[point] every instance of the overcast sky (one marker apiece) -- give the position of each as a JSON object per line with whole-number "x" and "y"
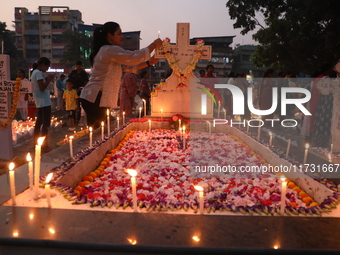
{"x": 206, "y": 17}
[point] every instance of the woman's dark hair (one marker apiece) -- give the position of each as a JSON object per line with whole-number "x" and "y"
{"x": 100, "y": 38}
{"x": 268, "y": 72}
{"x": 43, "y": 61}
{"x": 142, "y": 74}
{"x": 22, "y": 71}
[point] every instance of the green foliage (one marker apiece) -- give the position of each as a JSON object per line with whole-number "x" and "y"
{"x": 16, "y": 61}
{"x": 78, "y": 48}
{"x": 295, "y": 34}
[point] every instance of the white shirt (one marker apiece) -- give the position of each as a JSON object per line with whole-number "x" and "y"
{"x": 107, "y": 71}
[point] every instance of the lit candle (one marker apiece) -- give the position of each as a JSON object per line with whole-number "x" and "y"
{"x": 331, "y": 151}
{"x": 306, "y": 153}
{"x": 179, "y": 124}
{"x": 161, "y": 114}
{"x": 180, "y": 133}
{"x": 90, "y": 128}
{"x": 48, "y": 190}
{"x": 149, "y": 125}
{"x": 270, "y": 139}
{"x": 123, "y": 118}
{"x": 37, "y": 166}
{"x": 117, "y": 122}
{"x": 283, "y": 196}
{"x": 71, "y": 146}
{"x": 288, "y": 147}
{"x": 140, "y": 112}
{"x": 11, "y": 182}
{"x": 201, "y": 195}
{"x": 183, "y": 137}
{"x": 330, "y": 157}
{"x": 102, "y": 130}
{"x": 133, "y": 174}
{"x": 209, "y": 125}
{"x": 258, "y": 133}
{"x": 108, "y": 121}
{"x": 30, "y": 170}
{"x": 144, "y": 106}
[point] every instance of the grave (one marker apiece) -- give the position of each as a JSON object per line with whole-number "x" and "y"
{"x": 6, "y": 88}
{"x": 182, "y": 93}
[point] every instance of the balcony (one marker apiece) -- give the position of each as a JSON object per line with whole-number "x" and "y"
{"x": 31, "y": 32}
{"x": 32, "y": 46}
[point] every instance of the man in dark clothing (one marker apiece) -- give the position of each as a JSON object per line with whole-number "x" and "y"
{"x": 80, "y": 78}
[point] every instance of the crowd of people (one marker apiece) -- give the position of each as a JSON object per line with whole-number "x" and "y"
{"x": 82, "y": 95}
{"x": 91, "y": 96}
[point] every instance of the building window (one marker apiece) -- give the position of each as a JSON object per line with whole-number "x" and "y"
{"x": 57, "y": 53}
{"x": 59, "y": 25}
{"x": 245, "y": 57}
{"x": 57, "y": 39}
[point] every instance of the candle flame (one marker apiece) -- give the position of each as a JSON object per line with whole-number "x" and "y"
{"x": 123, "y": 113}
{"x": 11, "y": 166}
{"x": 276, "y": 247}
{"x": 107, "y": 112}
{"x": 131, "y": 241}
{"x": 31, "y": 216}
{"x": 51, "y": 230}
{"x": 283, "y": 178}
{"x": 198, "y": 188}
{"x": 144, "y": 100}
{"x": 196, "y": 238}
{"x": 307, "y": 145}
{"x": 90, "y": 128}
{"x": 28, "y": 157}
{"x": 49, "y": 177}
{"x": 71, "y": 137}
{"x": 270, "y": 133}
{"x": 149, "y": 121}
{"x": 132, "y": 172}
{"x": 15, "y": 234}
{"x": 102, "y": 123}
{"x": 41, "y": 140}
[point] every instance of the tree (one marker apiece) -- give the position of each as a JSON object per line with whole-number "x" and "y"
{"x": 16, "y": 61}
{"x": 78, "y": 48}
{"x": 296, "y": 35}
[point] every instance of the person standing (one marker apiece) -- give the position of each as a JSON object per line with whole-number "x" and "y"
{"x": 107, "y": 58}
{"x": 70, "y": 101}
{"x": 145, "y": 90}
{"x": 42, "y": 99}
{"x": 23, "y": 98}
{"x": 61, "y": 88}
{"x": 128, "y": 91}
{"x": 80, "y": 78}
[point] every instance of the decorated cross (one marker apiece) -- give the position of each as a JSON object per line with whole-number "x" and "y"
{"x": 182, "y": 56}
{"x": 7, "y": 110}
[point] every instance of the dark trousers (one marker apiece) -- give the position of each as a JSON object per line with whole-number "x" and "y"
{"x": 94, "y": 113}
{"x": 42, "y": 124}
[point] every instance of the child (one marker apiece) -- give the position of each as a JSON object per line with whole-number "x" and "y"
{"x": 70, "y": 101}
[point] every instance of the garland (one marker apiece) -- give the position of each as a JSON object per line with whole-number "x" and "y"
{"x": 14, "y": 103}
{"x": 182, "y": 74}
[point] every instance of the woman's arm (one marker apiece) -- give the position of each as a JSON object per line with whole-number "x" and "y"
{"x": 42, "y": 85}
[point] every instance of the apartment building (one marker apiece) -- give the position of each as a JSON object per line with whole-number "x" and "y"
{"x": 39, "y": 34}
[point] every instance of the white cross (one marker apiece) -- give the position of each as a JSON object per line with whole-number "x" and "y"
{"x": 182, "y": 50}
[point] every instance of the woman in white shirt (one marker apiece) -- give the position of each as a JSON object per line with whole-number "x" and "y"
{"x": 107, "y": 58}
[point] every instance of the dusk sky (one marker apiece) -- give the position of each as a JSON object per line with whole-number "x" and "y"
{"x": 206, "y": 18}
